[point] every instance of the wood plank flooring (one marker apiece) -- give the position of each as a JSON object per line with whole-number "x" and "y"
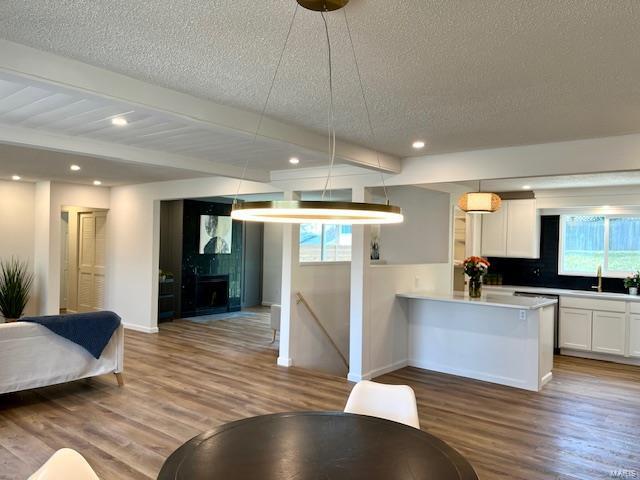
{"x": 191, "y": 377}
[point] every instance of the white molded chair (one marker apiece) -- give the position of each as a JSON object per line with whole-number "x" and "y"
{"x": 65, "y": 464}
{"x": 392, "y": 402}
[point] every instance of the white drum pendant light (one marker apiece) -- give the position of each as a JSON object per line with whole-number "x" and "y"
{"x": 479, "y": 202}
{"x": 320, "y": 211}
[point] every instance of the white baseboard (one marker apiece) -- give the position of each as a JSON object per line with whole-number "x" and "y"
{"x": 285, "y": 362}
{"x": 140, "y": 328}
{"x": 607, "y": 357}
{"x": 352, "y": 377}
{"x": 546, "y": 379}
{"x": 268, "y": 304}
{"x": 376, "y": 372}
{"x": 475, "y": 374}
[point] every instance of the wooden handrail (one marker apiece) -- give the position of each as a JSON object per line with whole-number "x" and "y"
{"x": 301, "y": 299}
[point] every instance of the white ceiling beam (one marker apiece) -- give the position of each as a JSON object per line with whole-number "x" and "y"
{"x": 54, "y": 69}
{"x": 596, "y": 155}
{"x": 114, "y": 151}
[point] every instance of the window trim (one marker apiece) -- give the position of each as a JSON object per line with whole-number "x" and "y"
{"x": 605, "y": 272}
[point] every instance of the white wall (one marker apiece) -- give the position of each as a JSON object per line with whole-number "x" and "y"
{"x": 17, "y": 226}
{"x": 326, "y": 287}
{"x": 272, "y": 264}
{"x": 386, "y": 347}
{"x": 423, "y": 237}
{"x": 134, "y": 233}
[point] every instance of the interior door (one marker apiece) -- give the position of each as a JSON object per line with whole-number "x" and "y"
{"x": 91, "y": 260}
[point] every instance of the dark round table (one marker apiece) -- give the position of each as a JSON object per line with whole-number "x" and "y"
{"x": 315, "y": 445}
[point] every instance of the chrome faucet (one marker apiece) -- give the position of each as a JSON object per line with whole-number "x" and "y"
{"x": 599, "y": 274}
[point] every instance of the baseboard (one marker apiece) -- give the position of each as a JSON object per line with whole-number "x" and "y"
{"x": 607, "y": 357}
{"x": 140, "y": 328}
{"x": 285, "y": 362}
{"x": 352, "y": 377}
{"x": 388, "y": 368}
{"x": 546, "y": 379}
{"x": 268, "y": 304}
{"x": 475, "y": 374}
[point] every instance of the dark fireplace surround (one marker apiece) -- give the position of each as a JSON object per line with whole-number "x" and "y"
{"x": 212, "y": 294}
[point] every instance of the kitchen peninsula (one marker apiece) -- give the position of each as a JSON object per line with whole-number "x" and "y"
{"x": 497, "y": 338}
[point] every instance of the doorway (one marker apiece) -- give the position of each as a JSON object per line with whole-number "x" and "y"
{"x": 83, "y": 259}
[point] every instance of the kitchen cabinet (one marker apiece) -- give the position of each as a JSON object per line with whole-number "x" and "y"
{"x": 634, "y": 335}
{"x": 575, "y": 328}
{"x": 608, "y": 333}
{"x": 513, "y": 231}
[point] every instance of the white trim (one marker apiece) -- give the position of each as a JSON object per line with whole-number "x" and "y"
{"x": 546, "y": 379}
{"x": 607, "y": 357}
{"x": 284, "y": 362}
{"x": 475, "y": 374}
{"x": 386, "y": 369}
{"x": 328, "y": 262}
{"x": 140, "y": 328}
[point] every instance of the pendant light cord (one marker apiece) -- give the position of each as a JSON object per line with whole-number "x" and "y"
{"x": 332, "y": 130}
{"x": 366, "y": 104}
{"x": 266, "y": 102}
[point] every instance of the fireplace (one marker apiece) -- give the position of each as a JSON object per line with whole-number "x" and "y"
{"x": 212, "y": 294}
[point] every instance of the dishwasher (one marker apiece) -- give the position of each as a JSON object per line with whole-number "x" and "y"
{"x": 556, "y": 316}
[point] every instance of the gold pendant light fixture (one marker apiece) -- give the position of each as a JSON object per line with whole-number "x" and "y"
{"x": 323, "y": 211}
{"x": 479, "y": 202}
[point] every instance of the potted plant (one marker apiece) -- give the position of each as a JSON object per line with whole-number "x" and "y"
{"x": 15, "y": 288}
{"x": 475, "y": 268}
{"x": 632, "y": 282}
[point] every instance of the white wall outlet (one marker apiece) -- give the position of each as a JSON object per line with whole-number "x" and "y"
{"x": 523, "y": 315}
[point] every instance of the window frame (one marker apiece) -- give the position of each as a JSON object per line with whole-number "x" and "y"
{"x": 322, "y": 249}
{"x": 605, "y": 263}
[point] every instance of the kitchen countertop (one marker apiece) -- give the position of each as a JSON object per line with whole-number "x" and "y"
{"x": 561, "y": 292}
{"x": 496, "y": 299}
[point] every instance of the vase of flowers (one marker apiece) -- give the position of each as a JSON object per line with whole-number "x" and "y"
{"x": 475, "y": 268}
{"x": 632, "y": 282}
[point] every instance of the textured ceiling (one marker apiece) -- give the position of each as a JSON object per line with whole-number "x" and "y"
{"x": 459, "y": 74}
{"x": 34, "y": 164}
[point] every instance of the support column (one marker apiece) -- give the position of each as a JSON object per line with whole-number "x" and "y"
{"x": 360, "y": 260}
{"x": 290, "y": 251}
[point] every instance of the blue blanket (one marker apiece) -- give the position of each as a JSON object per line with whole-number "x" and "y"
{"x": 92, "y": 331}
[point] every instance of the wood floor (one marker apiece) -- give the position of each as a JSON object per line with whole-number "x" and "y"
{"x": 191, "y": 377}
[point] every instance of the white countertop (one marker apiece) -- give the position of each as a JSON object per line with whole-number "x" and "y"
{"x": 496, "y": 299}
{"x": 561, "y": 292}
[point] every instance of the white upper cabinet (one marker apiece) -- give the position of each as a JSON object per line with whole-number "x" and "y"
{"x": 494, "y": 233}
{"x": 513, "y": 231}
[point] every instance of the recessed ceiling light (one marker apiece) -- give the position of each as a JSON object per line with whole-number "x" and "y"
{"x": 294, "y": 160}
{"x": 97, "y": 182}
{"x": 418, "y": 144}
{"x": 526, "y": 187}
{"x": 16, "y": 177}
{"x": 75, "y": 168}
{"x": 119, "y": 121}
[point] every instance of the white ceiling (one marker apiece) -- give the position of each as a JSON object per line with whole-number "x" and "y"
{"x": 461, "y": 75}
{"x": 34, "y": 164}
{"x": 42, "y": 106}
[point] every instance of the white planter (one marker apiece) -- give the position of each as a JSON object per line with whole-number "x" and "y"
{"x": 633, "y": 290}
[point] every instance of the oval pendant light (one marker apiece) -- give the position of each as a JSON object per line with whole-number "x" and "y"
{"x": 320, "y": 211}
{"x": 292, "y": 211}
{"x": 479, "y": 202}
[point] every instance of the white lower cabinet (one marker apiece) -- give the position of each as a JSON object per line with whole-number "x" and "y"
{"x": 575, "y": 328}
{"x": 634, "y": 335}
{"x": 608, "y": 333}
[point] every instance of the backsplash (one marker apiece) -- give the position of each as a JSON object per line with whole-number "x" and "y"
{"x": 543, "y": 272}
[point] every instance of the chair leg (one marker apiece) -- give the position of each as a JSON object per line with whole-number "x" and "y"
{"x": 120, "y": 379}
{"x": 274, "y": 335}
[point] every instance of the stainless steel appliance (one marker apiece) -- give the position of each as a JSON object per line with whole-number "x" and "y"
{"x": 556, "y": 316}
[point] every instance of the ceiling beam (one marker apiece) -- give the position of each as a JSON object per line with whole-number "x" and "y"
{"x": 115, "y": 151}
{"x": 54, "y": 69}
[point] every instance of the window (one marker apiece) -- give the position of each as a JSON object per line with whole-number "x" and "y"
{"x": 325, "y": 243}
{"x": 587, "y": 242}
